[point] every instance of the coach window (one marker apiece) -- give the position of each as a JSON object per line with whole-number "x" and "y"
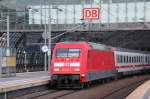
{"x": 130, "y": 59}
{"x": 143, "y": 59}
{"x": 139, "y": 59}
{"x": 124, "y": 59}
{"x": 74, "y": 53}
{"x": 121, "y": 58}
{"x": 118, "y": 59}
{"x": 127, "y": 59}
{"x": 134, "y": 59}
{"x": 146, "y": 59}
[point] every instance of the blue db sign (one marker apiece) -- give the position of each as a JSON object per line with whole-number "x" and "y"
{"x": 91, "y": 13}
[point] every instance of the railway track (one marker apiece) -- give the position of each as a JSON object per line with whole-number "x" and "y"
{"x": 51, "y": 94}
{"x": 127, "y": 88}
{"x": 45, "y": 93}
{"x": 62, "y": 94}
{"x": 118, "y": 89}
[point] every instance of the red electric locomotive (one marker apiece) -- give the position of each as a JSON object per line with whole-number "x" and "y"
{"x": 77, "y": 63}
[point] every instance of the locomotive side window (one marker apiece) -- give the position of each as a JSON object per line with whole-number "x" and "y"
{"x": 74, "y": 53}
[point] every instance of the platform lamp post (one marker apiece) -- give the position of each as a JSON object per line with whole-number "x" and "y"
{"x": 49, "y": 40}
{"x": 8, "y": 37}
{"x": 49, "y": 34}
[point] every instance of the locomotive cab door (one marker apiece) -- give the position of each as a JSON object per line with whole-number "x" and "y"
{"x": 89, "y": 66}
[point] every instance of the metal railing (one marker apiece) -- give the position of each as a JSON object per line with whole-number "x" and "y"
{"x": 86, "y": 27}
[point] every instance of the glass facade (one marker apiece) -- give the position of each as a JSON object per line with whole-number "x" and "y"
{"x": 72, "y": 14}
{"x": 31, "y": 14}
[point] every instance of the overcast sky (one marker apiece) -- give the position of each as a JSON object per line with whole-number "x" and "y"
{"x": 8, "y": 3}
{"x": 21, "y": 4}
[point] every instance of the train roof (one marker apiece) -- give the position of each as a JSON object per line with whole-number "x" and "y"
{"x": 106, "y": 47}
{"x": 103, "y": 47}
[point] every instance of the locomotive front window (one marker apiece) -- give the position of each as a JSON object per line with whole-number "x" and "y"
{"x": 61, "y": 52}
{"x": 74, "y": 53}
{"x": 64, "y": 52}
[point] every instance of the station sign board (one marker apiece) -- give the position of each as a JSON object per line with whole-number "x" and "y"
{"x": 91, "y": 13}
{"x": 45, "y": 48}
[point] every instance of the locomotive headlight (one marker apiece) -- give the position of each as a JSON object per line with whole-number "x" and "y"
{"x": 82, "y": 75}
{"x": 56, "y": 69}
{"x": 76, "y": 69}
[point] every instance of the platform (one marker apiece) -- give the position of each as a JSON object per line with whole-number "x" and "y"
{"x": 142, "y": 92}
{"x": 24, "y": 80}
